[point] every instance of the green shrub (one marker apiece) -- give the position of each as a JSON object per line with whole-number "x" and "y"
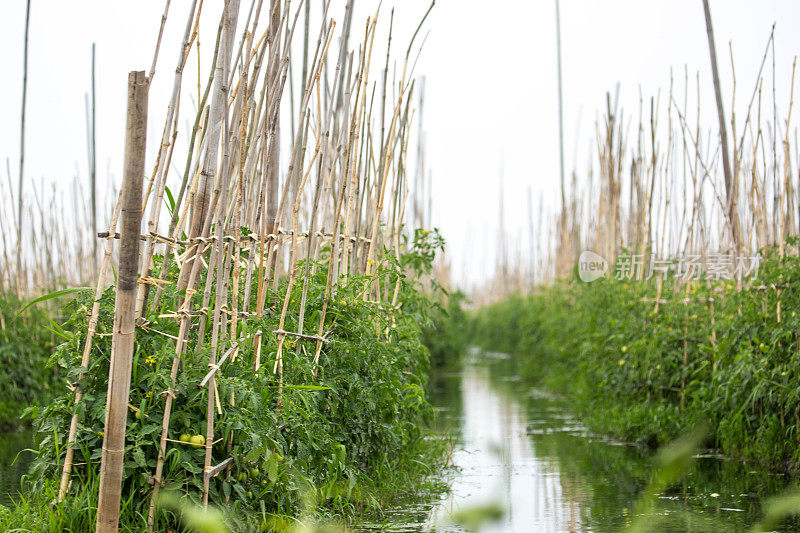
{"x": 716, "y": 354}
{"x": 25, "y": 346}
{"x": 446, "y": 337}
{"x": 337, "y": 439}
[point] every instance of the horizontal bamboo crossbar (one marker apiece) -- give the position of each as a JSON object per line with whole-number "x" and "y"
{"x": 323, "y": 338}
{"x": 212, "y": 471}
{"x": 216, "y": 367}
{"x": 252, "y": 238}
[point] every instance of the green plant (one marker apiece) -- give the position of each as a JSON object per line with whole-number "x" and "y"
{"x": 337, "y": 433}
{"x": 647, "y": 372}
{"x": 446, "y": 336}
{"x": 27, "y": 337}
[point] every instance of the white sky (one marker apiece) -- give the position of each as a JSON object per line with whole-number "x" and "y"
{"x": 491, "y": 97}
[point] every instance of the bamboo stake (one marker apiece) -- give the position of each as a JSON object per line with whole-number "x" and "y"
{"x": 273, "y": 155}
{"x": 119, "y": 380}
{"x": 22, "y": 145}
{"x": 93, "y": 167}
{"x": 730, "y": 185}
{"x": 87, "y": 348}
{"x": 206, "y": 209}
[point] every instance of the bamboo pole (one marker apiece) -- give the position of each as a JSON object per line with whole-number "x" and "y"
{"x": 730, "y": 185}
{"x": 180, "y": 207}
{"x": 273, "y": 155}
{"x": 159, "y": 176}
{"x": 22, "y": 146}
{"x": 201, "y": 223}
{"x": 93, "y": 165}
{"x": 560, "y": 106}
{"x": 119, "y": 377}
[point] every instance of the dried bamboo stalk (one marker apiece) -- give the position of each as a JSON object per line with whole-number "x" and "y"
{"x": 119, "y": 379}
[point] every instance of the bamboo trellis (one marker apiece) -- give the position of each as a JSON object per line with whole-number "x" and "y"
{"x": 233, "y": 179}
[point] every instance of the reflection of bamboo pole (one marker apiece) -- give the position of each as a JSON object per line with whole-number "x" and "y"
{"x": 119, "y": 376}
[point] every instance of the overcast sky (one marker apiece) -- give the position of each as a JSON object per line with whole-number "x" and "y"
{"x": 491, "y": 93}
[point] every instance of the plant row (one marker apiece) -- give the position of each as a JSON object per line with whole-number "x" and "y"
{"x": 646, "y": 363}
{"x": 341, "y": 436}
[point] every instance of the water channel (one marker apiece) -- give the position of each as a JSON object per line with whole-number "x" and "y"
{"x": 522, "y": 450}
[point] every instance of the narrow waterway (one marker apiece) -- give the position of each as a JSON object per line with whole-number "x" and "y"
{"x": 521, "y": 450}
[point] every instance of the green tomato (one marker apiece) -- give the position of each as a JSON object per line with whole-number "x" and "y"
{"x": 138, "y": 415}
{"x": 254, "y": 472}
{"x": 185, "y": 437}
{"x": 197, "y": 440}
{"x": 242, "y": 477}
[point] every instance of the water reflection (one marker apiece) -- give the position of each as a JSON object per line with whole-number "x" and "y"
{"x": 525, "y": 450}
{"x": 497, "y": 463}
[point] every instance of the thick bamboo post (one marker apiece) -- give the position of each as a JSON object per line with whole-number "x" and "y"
{"x": 730, "y": 185}
{"x": 119, "y": 374}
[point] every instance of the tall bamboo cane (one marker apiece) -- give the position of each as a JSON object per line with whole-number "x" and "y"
{"x": 119, "y": 376}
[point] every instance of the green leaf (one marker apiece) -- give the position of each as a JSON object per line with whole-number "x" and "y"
{"x": 306, "y": 387}
{"x": 190, "y": 466}
{"x": 57, "y": 329}
{"x": 76, "y": 371}
{"x": 152, "y": 428}
{"x": 171, "y": 200}
{"x": 138, "y": 456}
{"x": 272, "y": 468}
{"x": 50, "y": 296}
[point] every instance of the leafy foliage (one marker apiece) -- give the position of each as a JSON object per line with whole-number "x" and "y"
{"x": 446, "y": 337}
{"x": 333, "y": 438}
{"x": 708, "y": 353}
{"x": 27, "y": 338}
